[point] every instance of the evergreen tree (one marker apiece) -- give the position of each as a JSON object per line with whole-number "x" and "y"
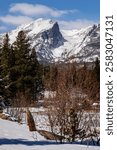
{"x": 1, "y": 80}
{"x": 26, "y": 67}
{"x": 36, "y": 74}
{"x": 7, "y": 61}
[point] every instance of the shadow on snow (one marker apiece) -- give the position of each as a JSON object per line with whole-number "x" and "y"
{"x": 5, "y": 141}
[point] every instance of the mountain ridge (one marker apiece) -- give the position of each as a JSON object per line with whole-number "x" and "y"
{"x": 55, "y": 45}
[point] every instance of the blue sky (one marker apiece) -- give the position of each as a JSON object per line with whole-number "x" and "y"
{"x": 70, "y": 14}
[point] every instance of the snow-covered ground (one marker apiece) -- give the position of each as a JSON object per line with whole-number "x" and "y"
{"x": 14, "y": 136}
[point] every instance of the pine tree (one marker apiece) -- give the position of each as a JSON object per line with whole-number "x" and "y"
{"x": 20, "y": 70}
{"x": 36, "y": 74}
{"x": 7, "y": 61}
{"x": 1, "y": 80}
{"x": 26, "y": 66}
{"x": 5, "y": 55}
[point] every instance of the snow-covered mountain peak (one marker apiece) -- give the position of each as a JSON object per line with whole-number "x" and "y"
{"x": 80, "y": 45}
{"x": 40, "y": 24}
{"x": 32, "y": 28}
{"x": 54, "y": 44}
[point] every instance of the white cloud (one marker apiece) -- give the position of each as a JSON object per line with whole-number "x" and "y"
{"x": 38, "y": 9}
{"x": 15, "y": 20}
{"x": 75, "y": 24}
{"x": 25, "y": 13}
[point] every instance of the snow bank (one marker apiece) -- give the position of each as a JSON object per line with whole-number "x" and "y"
{"x": 14, "y": 136}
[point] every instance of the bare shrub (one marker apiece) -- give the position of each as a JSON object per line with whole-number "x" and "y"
{"x": 21, "y": 100}
{"x": 64, "y": 110}
{"x": 17, "y": 110}
{"x": 74, "y": 97}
